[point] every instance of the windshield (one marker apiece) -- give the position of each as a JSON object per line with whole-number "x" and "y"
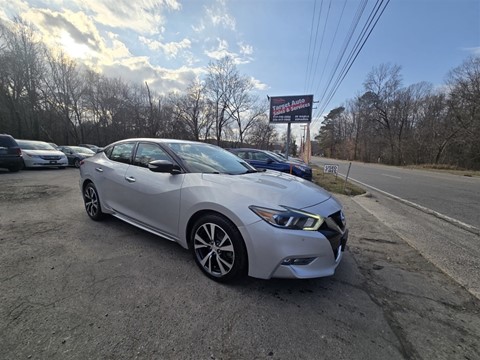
{"x": 205, "y": 158}
{"x": 276, "y": 156}
{"x": 34, "y": 145}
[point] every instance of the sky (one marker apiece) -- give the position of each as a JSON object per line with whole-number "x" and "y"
{"x": 286, "y": 47}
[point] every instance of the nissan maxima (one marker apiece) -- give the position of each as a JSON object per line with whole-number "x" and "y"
{"x": 234, "y": 219}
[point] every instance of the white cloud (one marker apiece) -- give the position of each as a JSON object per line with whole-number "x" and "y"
{"x": 144, "y": 16}
{"x": 160, "y": 79}
{"x": 199, "y": 28}
{"x": 222, "y": 50}
{"x": 170, "y": 49}
{"x": 12, "y": 8}
{"x": 258, "y": 85}
{"x": 67, "y": 29}
{"x": 219, "y": 16}
{"x": 474, "y": 50}
{"x": 245, "y": 49}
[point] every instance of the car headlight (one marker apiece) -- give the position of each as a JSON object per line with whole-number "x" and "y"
{"x": 289, "y": 218}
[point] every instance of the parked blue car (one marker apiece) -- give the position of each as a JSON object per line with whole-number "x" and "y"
{"x": 262, "y": 159}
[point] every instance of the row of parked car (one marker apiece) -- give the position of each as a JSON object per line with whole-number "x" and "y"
{"x": 16, "y": 154}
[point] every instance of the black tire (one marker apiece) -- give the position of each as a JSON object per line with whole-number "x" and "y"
{"x": 14, "y": 169}
{"x": 218, "y": 248}
{"x": 76, "y": 163}
{"x": 92, "y": 202}
{"x": 61, "y": 167}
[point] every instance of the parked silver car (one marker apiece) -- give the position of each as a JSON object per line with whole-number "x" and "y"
{"x": 234, "y": 219}
{"x": 41, "y": 154}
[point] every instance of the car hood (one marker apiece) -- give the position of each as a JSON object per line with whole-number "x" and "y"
{"x": 44, "y": 152}
{"x": 272, "y": 188}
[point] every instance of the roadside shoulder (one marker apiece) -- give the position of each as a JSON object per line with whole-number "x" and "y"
{"x": 414, "y": 294}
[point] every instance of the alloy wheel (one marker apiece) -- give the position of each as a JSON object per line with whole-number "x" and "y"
{"x": 92, "y": 204}
{"x": 214, "y": 249}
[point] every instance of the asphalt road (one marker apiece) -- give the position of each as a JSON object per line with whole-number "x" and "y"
{"x": 457, "y": 197}
{"x": 72, "y": 288}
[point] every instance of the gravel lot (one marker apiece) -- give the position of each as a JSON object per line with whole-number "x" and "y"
{"x": 71, "y": 288}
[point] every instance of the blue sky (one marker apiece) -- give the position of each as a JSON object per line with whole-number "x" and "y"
{"x": 170, "y": 42}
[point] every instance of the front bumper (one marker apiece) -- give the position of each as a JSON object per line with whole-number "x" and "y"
{"x": 270, "y": 249}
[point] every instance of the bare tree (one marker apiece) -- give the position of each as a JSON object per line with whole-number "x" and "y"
{"x": 192, "y": 110}
{"x": 20, "y": 77}
{"x": 464, "y": 109}
{"x": 262, "y": 134}
{"x": 383, "y": 84}
{"x": 222, "y": 78}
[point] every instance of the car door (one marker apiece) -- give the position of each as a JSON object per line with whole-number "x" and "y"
{"x": 110, "y": 179}
{"x": 153, "y": 198}
{"x": 69, "y": 153}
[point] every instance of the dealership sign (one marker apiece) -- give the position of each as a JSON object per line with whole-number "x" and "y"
{"x": 291, "y": 109}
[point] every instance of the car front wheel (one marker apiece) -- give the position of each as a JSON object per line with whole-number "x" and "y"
{"x": 92, "y": 202}
{"x": 218, "y": 248}
{"x": 76, "y": 163}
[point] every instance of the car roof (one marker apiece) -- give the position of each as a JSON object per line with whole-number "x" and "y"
{"x": 245, "y": 149}
{"x": 160, "y": 141}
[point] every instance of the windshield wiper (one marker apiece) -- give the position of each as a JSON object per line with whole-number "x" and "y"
{"x": 253, "y": 171}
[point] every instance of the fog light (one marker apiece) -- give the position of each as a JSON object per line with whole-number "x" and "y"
{"x": 297, "y": 261}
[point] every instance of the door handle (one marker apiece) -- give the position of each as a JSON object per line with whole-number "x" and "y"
{"x": 99, "y": 169}
{"x": 130, "y": 179}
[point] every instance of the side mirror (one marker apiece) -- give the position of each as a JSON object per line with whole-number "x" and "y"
{"x": 164, "y": 166}
{"x": 269, "y": 161}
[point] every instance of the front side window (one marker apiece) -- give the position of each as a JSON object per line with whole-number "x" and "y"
{"x": 122, "y": 153}
{"x": 205, "y": 158}
{"x": 149, "y": 152}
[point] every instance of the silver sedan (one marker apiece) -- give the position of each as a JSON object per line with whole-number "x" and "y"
{"x": 234, "y": 219}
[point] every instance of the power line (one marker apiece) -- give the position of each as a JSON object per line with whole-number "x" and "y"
{"x": 310, "y": 44}
{"x": 364, "y": 35}
{"x": 314, "y": 43}
{"x": 348, "y": 38}
{"x": 321, "y": 41}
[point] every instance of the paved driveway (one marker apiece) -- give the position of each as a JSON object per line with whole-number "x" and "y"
{"x": 71, "y": 288}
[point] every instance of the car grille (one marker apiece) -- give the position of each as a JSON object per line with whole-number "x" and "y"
{"x": 334, "y": 229}
{"x": 51, "y": 157}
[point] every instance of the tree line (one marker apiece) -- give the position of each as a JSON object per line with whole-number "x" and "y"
{"x": 416, "y": 124}
{"x": 46, "y": 95}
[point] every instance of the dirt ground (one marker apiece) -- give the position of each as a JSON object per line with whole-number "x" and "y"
{"x": 71, "y": 288}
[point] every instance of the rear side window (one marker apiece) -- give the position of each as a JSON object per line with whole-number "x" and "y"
{"x": 260, "y": 156}
{"x": 121, "y": 153}
{"x": 243, "y": 155}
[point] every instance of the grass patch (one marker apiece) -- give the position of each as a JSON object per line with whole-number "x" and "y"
{"x": 335, "y": 184}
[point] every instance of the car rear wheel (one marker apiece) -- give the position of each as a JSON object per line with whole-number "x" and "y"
{"x": 218, "y": 248}
{"x": 92, "y": 202}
